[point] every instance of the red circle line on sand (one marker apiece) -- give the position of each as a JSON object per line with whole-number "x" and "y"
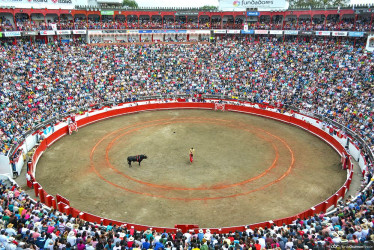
{"x": 186, "y": 188}
{"x": 205, "y": 198}
{"x": 195, "y": 199}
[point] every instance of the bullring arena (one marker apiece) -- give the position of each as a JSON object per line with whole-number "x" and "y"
{"x": 219, "y": 127}
{"x": 240, "y": 159}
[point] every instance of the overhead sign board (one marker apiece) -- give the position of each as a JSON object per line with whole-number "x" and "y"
{"x": 253, "y": 13}
{"x": 42, "y": 4}
{"x": 187, "y": 13}
{"x": 107, "y": 12}
{"x": 252, "y": 4}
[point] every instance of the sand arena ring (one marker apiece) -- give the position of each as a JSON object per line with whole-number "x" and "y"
{"x": 246, "y": 169}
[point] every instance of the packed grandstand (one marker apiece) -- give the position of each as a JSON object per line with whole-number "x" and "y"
{"x": 46, "y": 76}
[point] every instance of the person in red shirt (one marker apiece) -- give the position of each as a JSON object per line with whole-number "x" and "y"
{"x": 257, "y": 245}
{"x": 192, "y": 151}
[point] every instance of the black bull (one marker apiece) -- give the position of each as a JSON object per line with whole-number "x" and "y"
{"x": 137, "y": 158}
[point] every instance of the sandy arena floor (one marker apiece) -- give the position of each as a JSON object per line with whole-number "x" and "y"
{"x": 247, "y": 169}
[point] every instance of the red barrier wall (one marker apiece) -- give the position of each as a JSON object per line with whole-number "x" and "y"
{"x": 63, "y": 204}
{"x": 91, "y": 218}
{"x": 60, "y": 198}
{"x": 63, "y": 208}
{"x": 74, "y": 212}
{"x": 36, "y": 188}
{"x": 42, "y": 195}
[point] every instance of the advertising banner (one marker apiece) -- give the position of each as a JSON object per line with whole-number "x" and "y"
{"x": 253, "y": 13}
{"x": 219, "y": 31}
{"x": 132, "y": 31}
{"x": 63, "y": 32}
{"x": 169, "y": 31}
{"x": 233, "y": 31}
{"x": 258, "y": 4}
{"x": 107, "y": 12}
{"x": 180, "y": 31}
{"x": 356, "y": 34}
{"x": 291, "y": 32}
{"x": 323, "y": 33}
{"x": 262, "y": 32}
{"x": 306, "y": 33}
{"x": 198, "y": 31}
{"x": 187, "y": 13}
{"x": 247, "y": 31}
{"x": 145, "y": 31}
{"x": 42, "y": 4}
{"x": 95, "y": 32}
{"x": 276, "y": 32}
{"x": 339, "y": 33}
{"x": 12, "y": 33}
{"x": 47, "y": 32}
{"x": 79, "y": 32}
{"x": 30, "y": 33}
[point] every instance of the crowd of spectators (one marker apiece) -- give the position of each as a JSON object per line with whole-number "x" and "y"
{"x": 5, "y": 24}
{"x": 40, "y": 81}
{"x": 317, "y": 23}
{"x": 26, "y": 224}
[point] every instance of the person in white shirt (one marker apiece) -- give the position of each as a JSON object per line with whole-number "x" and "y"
{"x": 157, "y": 238}
{"x": 336, "y": 239}
{"x": 50, "y": 245}
{"x": 117, "y": 246}
{"x": 248, "y": 230}
{"x": 23, "y": 230}
{"x": 71, "y": 238}
{"x": 188, "y": 236}
{"x": 289, "y": 243}
{"x": 262, "y": 242}
{"x": 3, "y": 237}
{"x": 358, "y": 232}
{"x": 365, "y": 230}
{"x": 207, "y": 234}
{"x": 9, "y": 245}
{"x": 89, "y": 246}
{"x": 10, "y": 230}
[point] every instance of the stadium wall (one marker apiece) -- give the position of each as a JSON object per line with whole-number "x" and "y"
{"x": 310, "y": 124}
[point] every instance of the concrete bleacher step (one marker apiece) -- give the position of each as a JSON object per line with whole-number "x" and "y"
{"x": 7, "y": 183}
